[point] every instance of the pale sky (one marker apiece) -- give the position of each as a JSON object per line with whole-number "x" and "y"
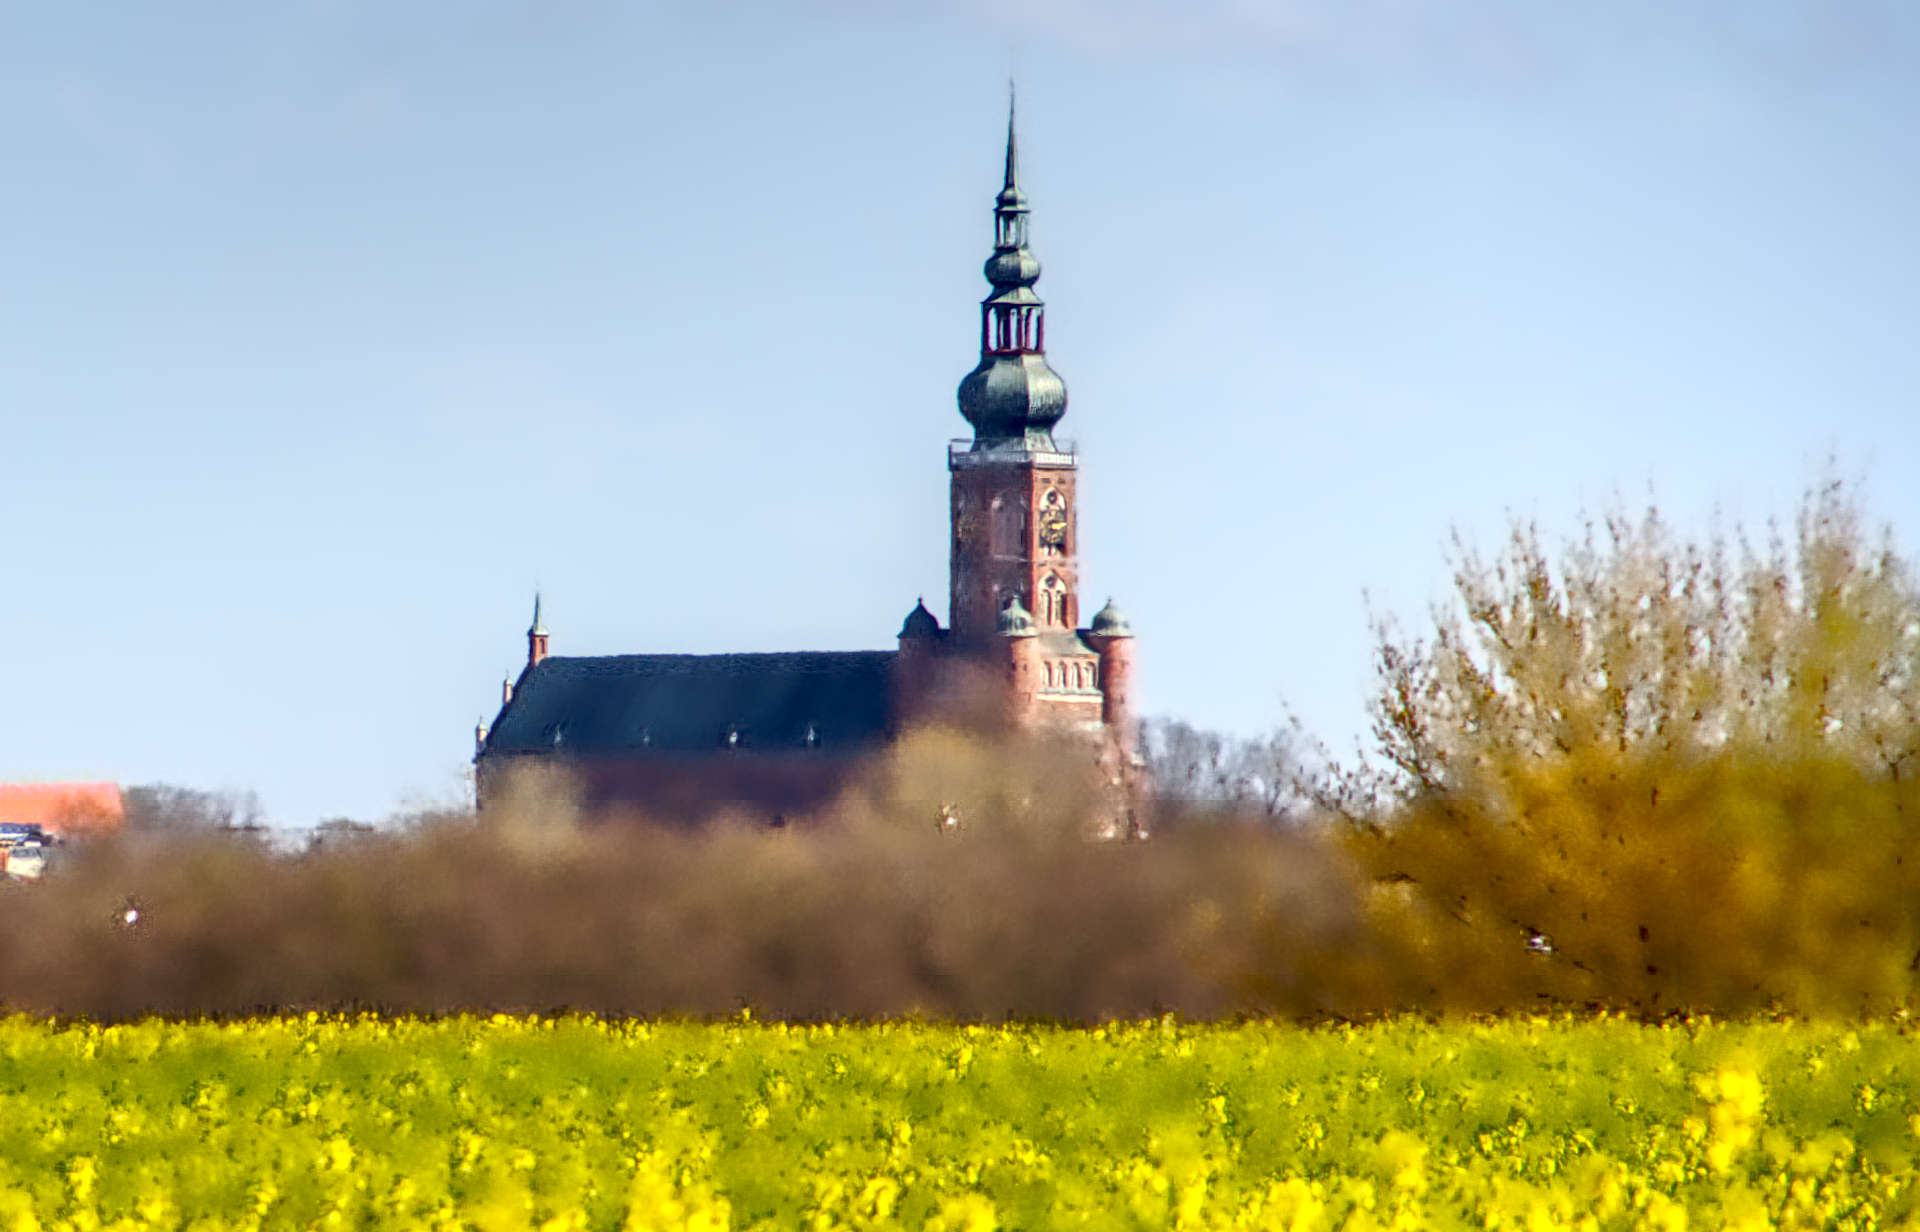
{"x": 330, "y": 329}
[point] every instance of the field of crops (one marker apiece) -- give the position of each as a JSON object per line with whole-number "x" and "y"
{"x": 570, "y": 1123}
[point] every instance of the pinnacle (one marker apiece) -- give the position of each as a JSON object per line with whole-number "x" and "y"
{"x": 1013, "y": 149}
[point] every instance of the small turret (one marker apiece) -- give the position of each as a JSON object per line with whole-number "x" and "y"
{"x": 1022, "y": 640}
{"x": 537, "y": 635}
{"x": 920, "y": 623}
{"x": 913, "y": 667}
{"x": 1110, "y": 621}
{"x": 1112, "y": 638}
{"x": 1016, "y": 620}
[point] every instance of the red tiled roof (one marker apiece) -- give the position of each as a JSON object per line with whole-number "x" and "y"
{"x": 63, "y": 808}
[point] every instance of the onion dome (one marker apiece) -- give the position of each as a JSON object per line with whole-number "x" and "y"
{"x": 1012, "y": 397}
{"x": 1016, "y": 621}
{"x": 920, "y": 622}
{"x": 1110, "y": 621}
{"x": 1007, "y": 270}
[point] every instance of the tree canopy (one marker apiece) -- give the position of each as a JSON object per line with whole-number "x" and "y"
{"x": 1684, "y": 773}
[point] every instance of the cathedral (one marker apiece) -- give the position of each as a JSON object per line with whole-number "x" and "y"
{"x": 681, "y": 736}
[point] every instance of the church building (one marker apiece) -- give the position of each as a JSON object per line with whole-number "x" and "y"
{"x": 681, "y": 736}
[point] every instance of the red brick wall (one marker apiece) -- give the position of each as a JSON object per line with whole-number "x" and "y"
{"x": 985, "y": 567}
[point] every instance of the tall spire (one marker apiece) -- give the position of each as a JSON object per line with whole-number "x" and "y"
{"x": 538, "y": 627}
{"x": 1012, "y": 185}
{"x": 1012, "y": 398}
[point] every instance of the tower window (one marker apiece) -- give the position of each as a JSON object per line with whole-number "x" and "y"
{"x": 1053, "y": 608}
{"x": 1009, "y": 528}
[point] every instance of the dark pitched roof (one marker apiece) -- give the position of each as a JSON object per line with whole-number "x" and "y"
{"x": 689, "y": 703}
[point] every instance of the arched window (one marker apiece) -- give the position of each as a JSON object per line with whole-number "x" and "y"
{"x": 1053, "y": 605}
{"x": 1009, "y": 527}
{"x": 1049, "y": 673}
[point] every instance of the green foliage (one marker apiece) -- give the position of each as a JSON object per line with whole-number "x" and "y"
{"x": 1639, "y": 643}
{"x": 1656, "y": 774}
{"x": 576, "y": 1123}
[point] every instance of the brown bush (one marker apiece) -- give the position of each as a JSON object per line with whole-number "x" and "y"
{"x": 1654, "y": 774}
{"x": 877, "y": 910}
{"x": 1659, "y": 883}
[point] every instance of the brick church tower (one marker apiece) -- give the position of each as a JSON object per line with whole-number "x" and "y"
{"x": 681, "y": 736}
{"x": 1013, "y": 563}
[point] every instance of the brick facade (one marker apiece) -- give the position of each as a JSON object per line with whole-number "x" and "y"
{"x": 1001, "y": 549}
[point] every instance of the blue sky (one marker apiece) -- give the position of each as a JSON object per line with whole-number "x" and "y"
{"x": 328, "y": 330}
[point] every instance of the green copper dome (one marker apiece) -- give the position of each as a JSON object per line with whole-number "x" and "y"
{"x": 1013, "y": 397}
{"x": 1016, "y": 621}
{"x": 1110, "y": 621}
{"x": 1014, "y": 268}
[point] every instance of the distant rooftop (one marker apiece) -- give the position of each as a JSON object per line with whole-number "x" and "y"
{"x": 832, "y": 700}
{"x": 63, "y": 808}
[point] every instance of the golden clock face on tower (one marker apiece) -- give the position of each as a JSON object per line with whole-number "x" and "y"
{"x": 1053, "y": 528}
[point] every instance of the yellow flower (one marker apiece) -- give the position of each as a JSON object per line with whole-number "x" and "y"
{"x": 967, "y": 1213}
{"x": 1401, "y": 1157}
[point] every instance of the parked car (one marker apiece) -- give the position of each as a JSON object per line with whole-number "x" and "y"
{"x": 13, "y": 833}
{"x": 27, "y": 861}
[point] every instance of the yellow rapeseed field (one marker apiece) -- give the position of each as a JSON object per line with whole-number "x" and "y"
{"x": 569, "y": 1123}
